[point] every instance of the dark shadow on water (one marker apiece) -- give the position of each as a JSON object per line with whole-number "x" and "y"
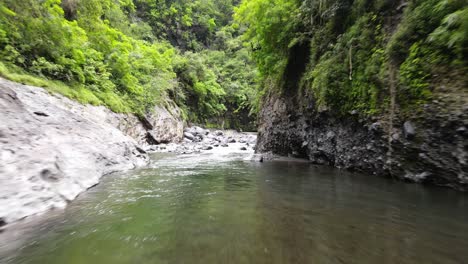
{"x": 193, "y": 210}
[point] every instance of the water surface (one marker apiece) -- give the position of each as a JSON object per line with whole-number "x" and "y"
{"x": 214, "y": 209}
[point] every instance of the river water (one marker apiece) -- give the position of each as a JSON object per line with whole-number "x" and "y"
{"x": 215, "y": 208}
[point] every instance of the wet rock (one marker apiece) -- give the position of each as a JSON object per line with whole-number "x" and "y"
{"x": 257, "y": 157}
{"x": 218, "y": 133}
{"x": 373, "y": 149}
{"x": 374, "y": 127}
{"x": 417, "y": 177}
{"x": 243, "y": 148}
{"x": 231, "y": 140}
{"x": 461, "y": 130}
{"x": 330, "y": 135}
{"x": 409, "y": 130}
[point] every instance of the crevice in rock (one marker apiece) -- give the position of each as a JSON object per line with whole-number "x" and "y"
{"x": 150, "y": 139}
{"x": 299, "y": 56}
{"x": 40, "y": 113}
{"x": 145, "y": 122}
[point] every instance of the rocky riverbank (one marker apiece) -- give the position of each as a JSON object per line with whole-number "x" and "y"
{"x": 429, "y": 145}
{"x": 52, "y": 148}
{"x": 198, "y": 140}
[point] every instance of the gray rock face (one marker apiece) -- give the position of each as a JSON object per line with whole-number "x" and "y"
{"x": 52, "y": 148}
{"x": 159, "y": 126}
{"x": 167, "y": 125}
{"x": 435, "y": 153}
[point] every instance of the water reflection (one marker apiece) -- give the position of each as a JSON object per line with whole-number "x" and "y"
{"x": 209, "y": 209}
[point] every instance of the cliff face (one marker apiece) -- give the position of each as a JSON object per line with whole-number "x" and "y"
{"x": 428, "y": 146}
{"x": 52, "y": 148}
{"x": 373, "y": 86}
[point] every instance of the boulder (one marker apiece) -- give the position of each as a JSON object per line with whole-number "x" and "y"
{"x": 196, "y": 130}
{"x": 167, "y": 124}
{"x": 189, "y": 135}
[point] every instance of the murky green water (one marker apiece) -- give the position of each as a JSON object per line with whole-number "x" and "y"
{"x": 209, "y": 209}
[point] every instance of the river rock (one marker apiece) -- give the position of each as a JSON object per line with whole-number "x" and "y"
{"x": 195, "y": 130}
{"x": 53, "y": 148}
{"x": 375, "y": 126}
{"x": 158, "y": 126}
{"x": 189, "y": 136}
{"x": 409, "y": 130}
{"x": 461, "y": 130}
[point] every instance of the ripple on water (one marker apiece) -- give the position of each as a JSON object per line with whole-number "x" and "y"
{"x": 213, "y": 208}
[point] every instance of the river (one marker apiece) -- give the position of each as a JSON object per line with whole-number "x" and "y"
{"x": 222, "y": 208}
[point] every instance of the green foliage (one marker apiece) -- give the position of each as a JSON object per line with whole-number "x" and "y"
{"x": 80, "y": 94}
{"x": 352, "y": 49}
{"x": 452, "y": 34}
{"x": 203, "y": 93}
{"x": 217, "y": 84}
{"x": 89, "y": 52}
{"x": 346, "y": 76}
{"x": 189, "y": 25}
{"x": 415, "y": 73}
{"x": 271, "y": 28}
{"x": 420, "y": 19}
{"x": 116, "y": 53}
